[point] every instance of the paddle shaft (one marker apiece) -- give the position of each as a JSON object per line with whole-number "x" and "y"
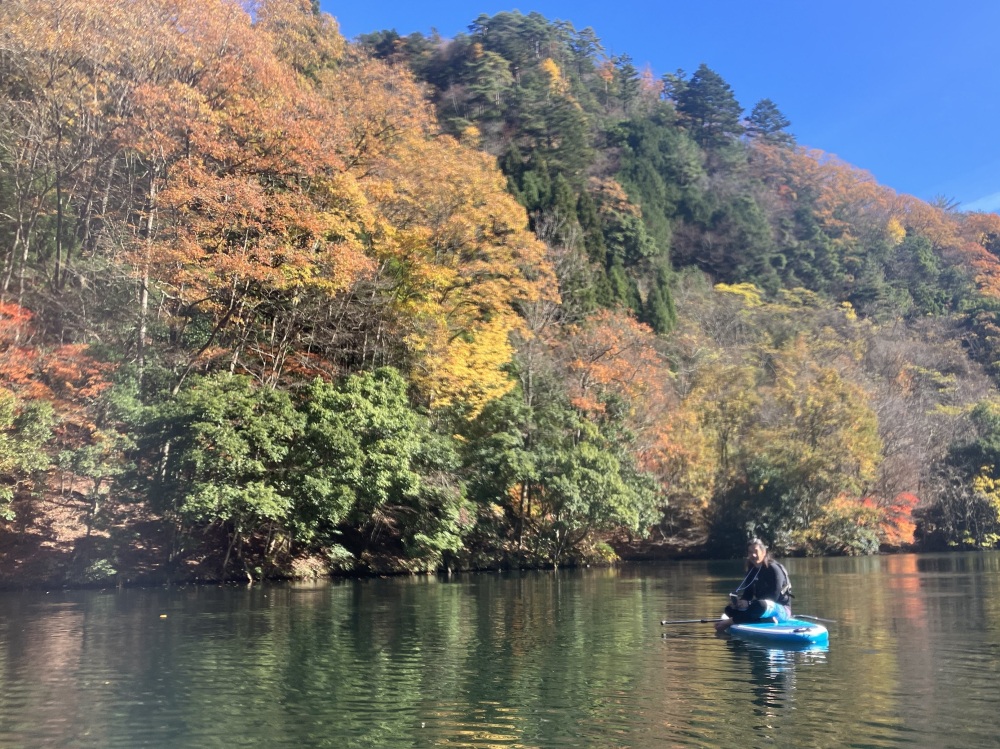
{"x": 665, "y": 622}
{"x": 690, "y": 621}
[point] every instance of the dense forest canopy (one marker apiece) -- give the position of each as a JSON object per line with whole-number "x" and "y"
{"x": 271, "y": 300}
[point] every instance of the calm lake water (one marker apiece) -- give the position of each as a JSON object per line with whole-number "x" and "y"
{"x": 546, "y": 660}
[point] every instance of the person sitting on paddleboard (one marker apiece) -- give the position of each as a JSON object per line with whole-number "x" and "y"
{"x": 764, "y": 592}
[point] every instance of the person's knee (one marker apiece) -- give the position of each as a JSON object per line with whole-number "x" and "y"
{"x": 770, "y": 609}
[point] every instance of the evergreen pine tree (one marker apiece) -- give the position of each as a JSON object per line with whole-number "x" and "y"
{"x": 709, "y": 109}
{"x": 590, "y": 223}
{"x": 767, "y": 123}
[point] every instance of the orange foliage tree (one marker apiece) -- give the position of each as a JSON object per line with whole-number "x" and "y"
{"x": 614, "y": 362}
{"x": 852, "y": 206}
{"x": 898, "y": 525}
{"x": 280, "y": 198}
{"x": 249, "y": 207}
{"x": 42, "y": 388}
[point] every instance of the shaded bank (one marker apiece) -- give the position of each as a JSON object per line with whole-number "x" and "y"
{"x": 49, "y": 545}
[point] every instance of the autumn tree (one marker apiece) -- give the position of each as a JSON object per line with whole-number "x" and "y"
{"x": 460, "y": 261}
{"x": 52, "y": 396}
{"x": 967, "y": 512}
{"x": 792, "y": 429}
{"x": 568, "y": 456}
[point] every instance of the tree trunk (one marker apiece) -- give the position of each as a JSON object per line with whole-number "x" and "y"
{"x": 144, "y": 288}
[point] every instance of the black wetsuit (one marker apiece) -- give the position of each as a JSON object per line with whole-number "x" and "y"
{"x": 766, "y": 585}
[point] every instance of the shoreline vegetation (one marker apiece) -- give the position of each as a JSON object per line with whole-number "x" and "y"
{"x": 58, "y": 553}
{"x": 275, "y": 303}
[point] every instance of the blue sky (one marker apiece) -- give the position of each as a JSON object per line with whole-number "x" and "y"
{"x": 906, "y": 90}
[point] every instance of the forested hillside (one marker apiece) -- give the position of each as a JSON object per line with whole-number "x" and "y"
{"x": 275, "y": 302}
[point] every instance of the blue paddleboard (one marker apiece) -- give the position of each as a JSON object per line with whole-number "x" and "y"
{"x": 796, "y": 631}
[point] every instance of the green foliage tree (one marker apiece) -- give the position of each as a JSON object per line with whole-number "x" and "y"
{"x": 709, "y": 109}
{"x": 729, "y": 237}
{"x": 434, "y": 527}
{"x": 590, "y": 225}
{"x": 367, "y": 461}
{"x": 967, "y": 513}
{"x": 674, "y": 85}
{"x": 562, "y": 136}
{"x": 845, "y": 527}
{"x": 215, "y": 455}
{"x": 661, "y": 170}
{"x": 592, "y": 487}
{"x": 767, "y": 123}
{"x": 914, "y": 268}
{"x": 489, "y": 81}
{"x": 559, "y": 479}
{"x": 811, "y": 257}
{"x": 658, "y": 310}
{"x": 627, "y": 80}
{"x": 25, "y": 427}
{"x": 102, "y": 459}
{"x": 585, "y": 47}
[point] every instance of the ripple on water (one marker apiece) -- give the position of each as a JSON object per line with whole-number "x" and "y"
{"x": 546, "y": 661}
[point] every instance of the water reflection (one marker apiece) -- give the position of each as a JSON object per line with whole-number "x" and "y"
{"x": 772, "y": 675}
{"x": 546, "y": 660}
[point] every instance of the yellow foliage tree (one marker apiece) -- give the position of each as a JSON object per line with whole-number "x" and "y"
{"x": 557, "y": 84}
{"x": 456, "y": 250}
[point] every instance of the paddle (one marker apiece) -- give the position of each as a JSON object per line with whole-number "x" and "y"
{"x": 664, "y": 622}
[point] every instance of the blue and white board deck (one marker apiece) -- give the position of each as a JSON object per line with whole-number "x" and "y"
{"x": 791, "y": 631}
